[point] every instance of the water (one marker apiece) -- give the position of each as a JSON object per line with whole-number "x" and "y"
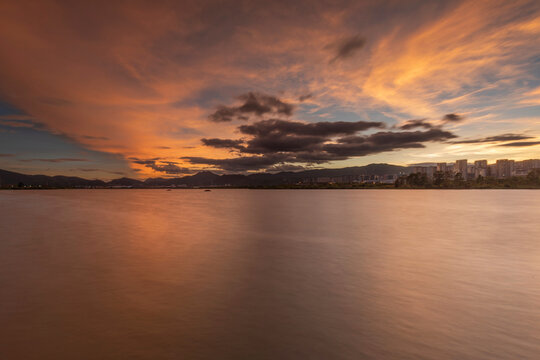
{"x": 255, "y": 274}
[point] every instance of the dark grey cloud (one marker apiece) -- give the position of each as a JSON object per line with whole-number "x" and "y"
{"x": 496, "y": 138}
{"x": 323, "y": 128}
{"x": 521, "y": 143}
{"x": 273, "y": 143}
{"x": 162, "y": 147}
{"x": 388, "y": 137}
{"x": 385, "y": 141}
{"x": 144, "y": 161}
{"x": 261, "y": 104}
{"x": 305, "y": 97}
{"x": 417, "y": 123}
{"x": 241, "y": 163}
{"x": 223, "y": 143}
{"x": 270, "y": 143}
{"x": 347, "y": 47}
{"x": 168, "y": 167}
{"x": 275, "y": 135}
{"x": 254, "y": 104}
{"x": 225, "y": 114}
{"x": 453, "y": 117}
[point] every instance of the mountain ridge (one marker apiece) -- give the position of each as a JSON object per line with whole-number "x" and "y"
{"x": 202, "y": 178}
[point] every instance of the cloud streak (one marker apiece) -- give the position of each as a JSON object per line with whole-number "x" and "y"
{"x": 521, "y": 144}
{"x": 495, "y": 138}
{"x": 413, "y": 124}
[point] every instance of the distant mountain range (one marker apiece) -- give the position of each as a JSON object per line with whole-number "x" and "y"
{"x": 203, "y": 178}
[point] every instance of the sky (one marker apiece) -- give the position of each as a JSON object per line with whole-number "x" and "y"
{"x": 104, "y": 89}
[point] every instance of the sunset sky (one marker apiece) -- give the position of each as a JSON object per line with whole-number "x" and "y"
{"x": 104, "y": 89}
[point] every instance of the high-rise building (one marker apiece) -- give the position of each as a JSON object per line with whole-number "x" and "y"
{"x": 461, "y": 167}
{"x": 428, "y": 170}
{"x": 481, "y": 164}
{"x": 492, "y": 170}
{"x": 504, "y": 168}
{"x": 523, "y": 168}
{"x": 442, "y": 167}
{"x": 529, "y": 164}
{"x": 480, "y": 168}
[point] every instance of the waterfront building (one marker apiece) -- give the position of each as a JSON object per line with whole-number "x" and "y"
{"x": 480, "y": 168}
{"x": 461, "y": 167}
{"x": 504, "y": 168}
{"x": 481, "y": 164}
{"x": 442, "y": 167}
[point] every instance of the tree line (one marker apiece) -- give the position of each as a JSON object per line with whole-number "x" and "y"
{"x": 448, "y": 180}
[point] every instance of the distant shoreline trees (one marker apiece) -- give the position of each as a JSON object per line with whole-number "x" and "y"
{"x": 447, "y": 180}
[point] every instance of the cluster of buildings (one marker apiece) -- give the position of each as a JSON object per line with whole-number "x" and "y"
{"x": 501, "y": 169}
{"x": 352, "y": 179}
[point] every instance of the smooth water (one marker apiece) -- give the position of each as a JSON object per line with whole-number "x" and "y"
{"x": 270, "y": 274}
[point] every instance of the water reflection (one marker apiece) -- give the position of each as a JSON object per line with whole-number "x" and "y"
{"x": 229, "y": 274}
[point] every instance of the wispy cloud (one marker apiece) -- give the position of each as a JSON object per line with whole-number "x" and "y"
{"x": 521, "y": 143}
{"x": 495, "y": 138}
{"x": 55, "y": 160}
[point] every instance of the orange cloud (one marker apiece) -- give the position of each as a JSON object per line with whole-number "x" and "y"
{"x": 133, "y": 79}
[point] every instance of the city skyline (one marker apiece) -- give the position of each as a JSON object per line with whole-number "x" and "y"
{"x": 103, "y": 89}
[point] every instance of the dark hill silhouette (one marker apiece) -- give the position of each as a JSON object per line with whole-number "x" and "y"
{"x": 203, "y": 178}
{"x": 9, "y": 178}
{"x": 125, "y": 182}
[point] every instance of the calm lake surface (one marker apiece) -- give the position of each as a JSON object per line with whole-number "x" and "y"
{"x": 270, "y": 274}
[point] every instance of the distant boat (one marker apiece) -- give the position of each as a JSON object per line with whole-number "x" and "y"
{"x": 207, "y": 190}
{"x": 168, "y": 189}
